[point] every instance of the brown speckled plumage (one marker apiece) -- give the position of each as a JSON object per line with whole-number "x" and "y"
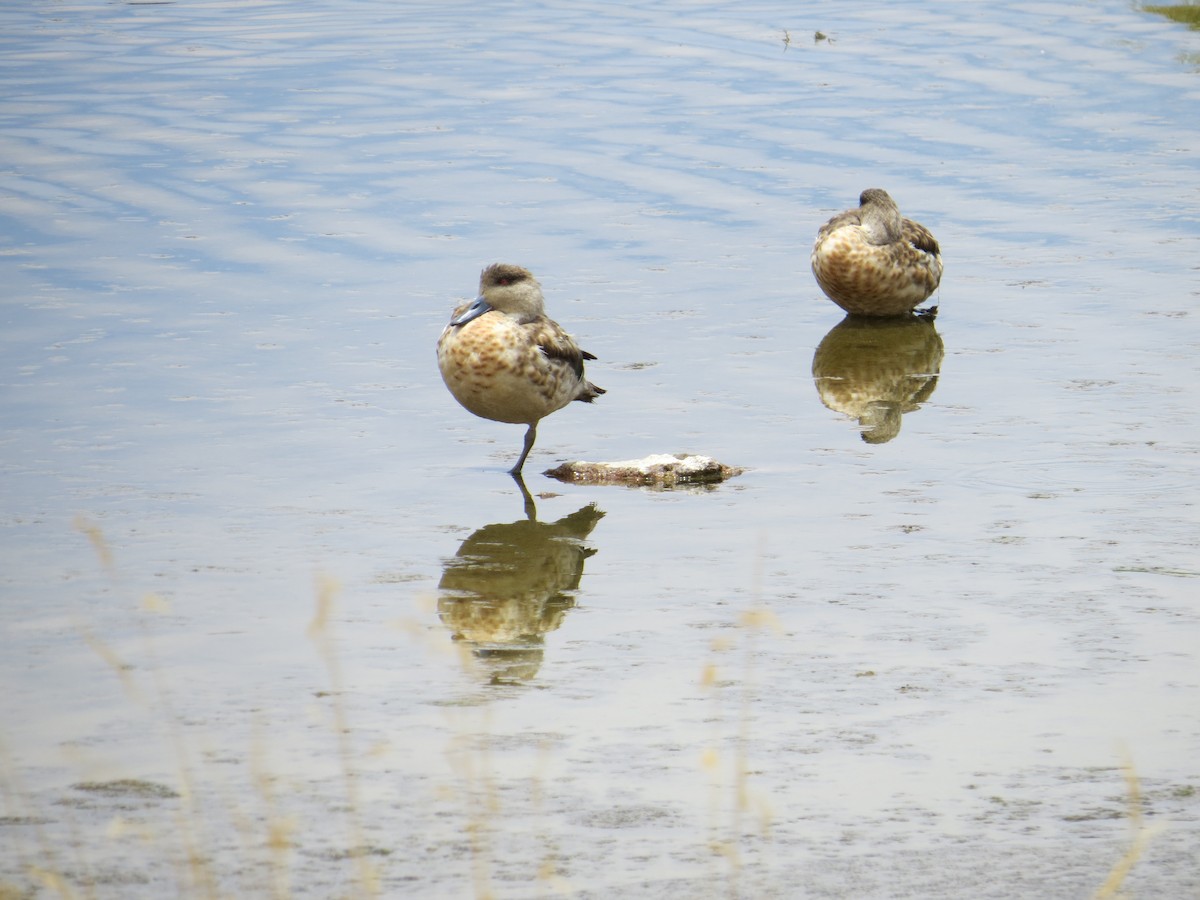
{"x": 503, "y": 359}
{"x": 871, "y": 261}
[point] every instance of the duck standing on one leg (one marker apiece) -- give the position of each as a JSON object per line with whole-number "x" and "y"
{"x": 503, "y": 359}
{"x": 871, "y": 261}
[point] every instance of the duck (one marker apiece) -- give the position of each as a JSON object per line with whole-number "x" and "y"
{"x": 504, "y": 359}
{"x": 872, "y": 261}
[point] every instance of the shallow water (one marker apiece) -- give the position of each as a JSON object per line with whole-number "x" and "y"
{"x": 232, "y": 234}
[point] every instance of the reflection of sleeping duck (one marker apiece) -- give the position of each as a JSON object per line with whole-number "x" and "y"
{"x": 510, "y": 584}
{"x": 872, "y": 261}
{"x": 875, "y": 370}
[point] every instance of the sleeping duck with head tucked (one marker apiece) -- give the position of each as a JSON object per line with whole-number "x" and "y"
{"x": 503, "y": 359}
{"x": 872, "y": 261}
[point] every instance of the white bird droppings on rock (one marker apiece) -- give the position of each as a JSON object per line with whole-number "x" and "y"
{"x": 660, "y": 469}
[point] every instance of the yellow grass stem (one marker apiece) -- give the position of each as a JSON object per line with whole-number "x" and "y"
{"x": 320, "y": 632}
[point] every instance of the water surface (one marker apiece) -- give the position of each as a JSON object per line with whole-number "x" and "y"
{"x": 269, "y": 598}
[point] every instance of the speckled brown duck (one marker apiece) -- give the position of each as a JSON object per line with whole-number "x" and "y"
{"x": 503, "y": 359}
{"x": 872, "y": 261}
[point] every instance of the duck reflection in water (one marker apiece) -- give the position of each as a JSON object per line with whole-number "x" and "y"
{"x": 876, "y": 370}
{"x": 511, "y": 583}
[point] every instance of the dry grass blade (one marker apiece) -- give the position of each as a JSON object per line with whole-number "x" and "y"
{"x": 1137, "y": 845}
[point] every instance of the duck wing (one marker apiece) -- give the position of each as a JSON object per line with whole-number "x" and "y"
{"x": 841, "y": 220}
{"x": 557, "y": 345}
{"x": 920, "y": 237}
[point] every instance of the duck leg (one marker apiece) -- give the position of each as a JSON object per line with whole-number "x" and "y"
{"x": 530, "y": 437}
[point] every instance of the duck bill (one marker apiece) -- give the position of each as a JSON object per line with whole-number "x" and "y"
{"x": 474, "y": 311}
